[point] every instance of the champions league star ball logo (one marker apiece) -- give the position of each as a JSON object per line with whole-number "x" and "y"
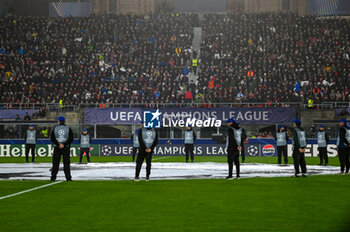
{"x": 151, "y": 119}
{"x": 268, "y": 150}
{"x": 253, "y": 150}
{"x": 61, "y": 132}
{"x": 149, "y": 133}
{"x": 106, "y": 150}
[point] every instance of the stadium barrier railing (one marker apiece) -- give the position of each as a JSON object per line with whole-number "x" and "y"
{"x": 17, "y": 129}
{"x": 57, "y": 107}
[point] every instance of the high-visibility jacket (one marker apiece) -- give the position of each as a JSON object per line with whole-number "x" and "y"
{"x": 60, "y": 103}
{"x": 310, "y": 103}
{"x": 178, "y": 50}
{"x": 194, "y": 62}
{"x": 173, "y": 38}
{"x": 45, "y": 133}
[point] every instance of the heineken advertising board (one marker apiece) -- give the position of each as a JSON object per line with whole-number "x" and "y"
{"x": 42, "y": 150}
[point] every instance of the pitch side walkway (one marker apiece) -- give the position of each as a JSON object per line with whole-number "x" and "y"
{"x": 160, "y": 171}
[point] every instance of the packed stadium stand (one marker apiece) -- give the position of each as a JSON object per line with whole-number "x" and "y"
{"x": 95, "y": 59}
{"x": 277, "y": 57}
{"x": 245, "y": 57}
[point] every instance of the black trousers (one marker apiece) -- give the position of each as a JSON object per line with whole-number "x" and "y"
{"x": 243, "y": 154}
{"x": 323, "y": 154}
{"x": 30, "y": 147}
{"x": 87, "y": 153}
{"x": 233, "y": 158}
{"x": 189, "y": 151}
{"x": 134, "y": 151}
{"x": 194, "y": 69}
{"x": 56, "y": 158}
{"x": 139, "y": 161}
{"x": 282, "y": 151}
{"x": 344, "y": 154}
{"x": 299, "y": 160}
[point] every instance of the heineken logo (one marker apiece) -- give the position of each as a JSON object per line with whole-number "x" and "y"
{"x": 41, "y": 150}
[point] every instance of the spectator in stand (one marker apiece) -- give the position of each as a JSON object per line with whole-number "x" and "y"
{"x": 42, "y": 112}
{"x": 27, "y": 117}
{"x": 188, "y": 96}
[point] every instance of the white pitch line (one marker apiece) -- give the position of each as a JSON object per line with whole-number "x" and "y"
{"x": 161, "y": 158}
{"x": 29, "y": 190}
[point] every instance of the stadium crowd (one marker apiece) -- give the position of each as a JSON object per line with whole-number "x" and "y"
{"x": 97, "y": 59}
{"x": 275, "y": 57}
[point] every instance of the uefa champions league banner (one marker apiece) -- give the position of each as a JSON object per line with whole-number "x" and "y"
{"x": 255, "y": 149}
{"x": 123, "y": 147}
{"x": 242, "y": 115}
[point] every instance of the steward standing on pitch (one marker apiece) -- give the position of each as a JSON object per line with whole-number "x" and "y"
{"x": 282, "y": 141}
{"x": 322, "y": 142}
{"x": 343, "y": 143}
{"x": 85, "y": 142}
{"x": 190, "y": 137}
{"x": 299, "y": 145}
{"x": 135, "y": 144}
{"x": 61, "y": 137}
{"x": 244, "y": 136}
{"x": 148, "y": 140}
{"x": 30, "y": 139}
{"x": 234, "y": 144}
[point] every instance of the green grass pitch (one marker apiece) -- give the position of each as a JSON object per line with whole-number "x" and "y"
{"x": 316, "y": 203}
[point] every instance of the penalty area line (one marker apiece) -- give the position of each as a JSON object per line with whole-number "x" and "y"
{"x": 161, "y": 158}
{"x": 29, "y": 190}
